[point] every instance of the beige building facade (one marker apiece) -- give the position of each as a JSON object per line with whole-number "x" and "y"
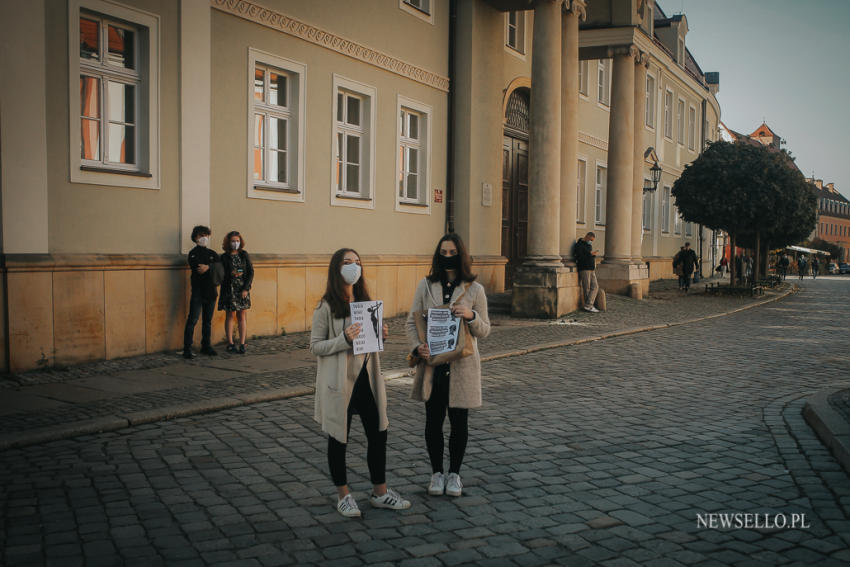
{"x": 312, "y": 125}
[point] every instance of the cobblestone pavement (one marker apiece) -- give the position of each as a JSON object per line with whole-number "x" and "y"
{"x": 602, "y": 453}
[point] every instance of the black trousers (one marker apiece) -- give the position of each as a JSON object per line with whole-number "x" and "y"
{"x": 362, "y": 402}
{"x": 197, "y": 305}
{"x": 435, "y": 415}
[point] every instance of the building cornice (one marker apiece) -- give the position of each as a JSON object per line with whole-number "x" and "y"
{"x": 278, "y": 21}
{"x": 591, "y": 140}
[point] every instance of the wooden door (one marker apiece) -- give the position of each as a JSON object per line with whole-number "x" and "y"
{"x": 514, "y": 203}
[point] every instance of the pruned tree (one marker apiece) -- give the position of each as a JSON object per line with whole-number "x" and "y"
{"x": 755, "y": 194}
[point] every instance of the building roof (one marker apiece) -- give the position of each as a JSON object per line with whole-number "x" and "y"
{"x": 763, "y": 131}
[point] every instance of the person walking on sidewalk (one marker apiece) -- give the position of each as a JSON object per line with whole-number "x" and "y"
{"x": 687, "y": 260}
{"x": 815, "y": 268}
{"x": 783, "y": 266}
{"x": 202, "y": 301}
{"x": 452, "y": 388}
{"x": 347, "y": 384}
{"x": 586, "y": 263}
{"x": 235, "y": 298}
{"x": 677, "y": 267}
{"x": 802, "y": 265}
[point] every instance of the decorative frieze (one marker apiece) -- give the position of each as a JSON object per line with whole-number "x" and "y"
{"x": 586, "y": 138}
{"x": 277, "y": 21}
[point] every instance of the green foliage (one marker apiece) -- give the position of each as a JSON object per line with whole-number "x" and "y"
{"x": 821, "y": 244}
{"x": 747, "y": 190}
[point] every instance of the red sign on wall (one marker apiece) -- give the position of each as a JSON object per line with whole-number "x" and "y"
{"x": 438, "y": 195}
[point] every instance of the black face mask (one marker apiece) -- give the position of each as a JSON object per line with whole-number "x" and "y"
{"x": 448, "y": 262}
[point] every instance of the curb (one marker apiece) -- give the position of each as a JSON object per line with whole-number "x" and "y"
{"x": 116, "y": 422}
{"x": 832, "y": 429}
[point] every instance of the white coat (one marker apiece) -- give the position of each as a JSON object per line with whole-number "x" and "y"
{"x": 337, "y": 372}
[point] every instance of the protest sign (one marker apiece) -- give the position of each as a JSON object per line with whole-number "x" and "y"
{"x": 370, "y": 315}
{"x": 442, "y": 331}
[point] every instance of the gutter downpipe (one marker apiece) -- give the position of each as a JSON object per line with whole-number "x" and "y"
{"x": 450, "y": 163}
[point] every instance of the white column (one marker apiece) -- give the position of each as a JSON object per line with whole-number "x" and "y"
{"x": 544, "y": 181}
{"x": 569, "y": 123}
{"x": 23, "y": 123}
{"x": 637, "y": 179}
{"x": 195, "y": 115}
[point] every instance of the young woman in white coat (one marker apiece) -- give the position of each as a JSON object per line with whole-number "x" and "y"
{"x": 451, "y": 388}
{"x": 347, "y": 384}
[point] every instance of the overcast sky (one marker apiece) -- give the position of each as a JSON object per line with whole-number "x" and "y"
{"x": 785, "y": 62}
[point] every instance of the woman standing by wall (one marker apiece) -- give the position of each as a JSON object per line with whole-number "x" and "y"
{"x": 451, "y": 388}
{"x": 347, "y": 384}
{"x": 235, "y": 298}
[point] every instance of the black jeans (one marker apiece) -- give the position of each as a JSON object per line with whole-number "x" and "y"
{"x": 198, "y": 304}
{"x": 685, "y": 281}
{"x": 362, "y": 402}
{"x": 435, "y": 415}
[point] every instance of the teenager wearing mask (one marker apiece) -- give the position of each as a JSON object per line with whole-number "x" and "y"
{"x": 201, "y": 260}
{"x": 347, "y": 384}
{"x": 451, "y": 388}
{"x": 235, "y": 298}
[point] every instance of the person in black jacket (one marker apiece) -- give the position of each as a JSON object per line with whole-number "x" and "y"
{"x": 235, "y": 297}
{"x": 201, "y": 260}
{"x": 586, "y": 263}
{"x": 687, "y": 262}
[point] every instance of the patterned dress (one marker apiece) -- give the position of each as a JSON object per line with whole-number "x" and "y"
{"x": 231, "y": 298}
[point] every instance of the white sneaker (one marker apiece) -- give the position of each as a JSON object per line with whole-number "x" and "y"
{"x": 454, "y": 486}
{"x": 438, "y": 484}
{"x": 391, "y": 499}
{"x": 348, "y": 507}
{"x": 591, "y": 308}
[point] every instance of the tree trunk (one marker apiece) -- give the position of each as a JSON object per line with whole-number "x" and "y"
{"x": 732, "y": 260}
{"x": 757, "y": 262}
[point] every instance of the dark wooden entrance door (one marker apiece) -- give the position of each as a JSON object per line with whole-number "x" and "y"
{"x": 514, "y": 203}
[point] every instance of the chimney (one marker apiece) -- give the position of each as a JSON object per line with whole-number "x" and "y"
{"x": 819, "y": 183}
{"x": 831, "y": 187}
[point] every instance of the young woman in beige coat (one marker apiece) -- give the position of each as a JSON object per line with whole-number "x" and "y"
{"x": 347, "y": 384}
{"x": 451, "y": 388}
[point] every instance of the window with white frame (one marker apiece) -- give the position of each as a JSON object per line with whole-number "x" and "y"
{"x": 421, "y": 5}
{"x": 581, "y": 187}
{"x": 421, "y": 9}
{"x": 692, "y": 128}
{"x": 353, "y": 142}
{"x": 665, "y": 209}
{"x": 650, "y": 101}
{"x": 582, "y": 77}
{"x": 603, "y": 85}
{"x": 114, "y": 70}
{"x": 668, "y": 114}
{"x": 413, "y": 152}
{"x": 677, "y": 223}
{"x": 601, "y": 188}
{"x": 515, "y": 31}
{"x": 689, "y": 229}
{"x": 680, "y": 121}
{"x": 647, "y": 211}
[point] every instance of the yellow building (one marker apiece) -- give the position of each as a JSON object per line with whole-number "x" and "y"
{"x": 310, "y": 125}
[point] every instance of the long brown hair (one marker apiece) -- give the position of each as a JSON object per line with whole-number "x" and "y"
{"x": 335, "y": 290}
{"x": 437, "y": 274}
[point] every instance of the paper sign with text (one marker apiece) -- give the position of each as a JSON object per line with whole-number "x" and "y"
{"x": 442, "y": 331}
{"x": 370, "y": 315}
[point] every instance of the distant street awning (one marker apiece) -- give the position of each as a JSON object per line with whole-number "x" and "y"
{"x": 807, "y": 250}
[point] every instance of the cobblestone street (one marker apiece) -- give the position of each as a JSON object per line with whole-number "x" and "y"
{"x": 603, "y": 453}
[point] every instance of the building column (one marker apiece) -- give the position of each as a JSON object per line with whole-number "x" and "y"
{"x": 641, "y": 63}
{"x": 617, "y": 271}
{"x": 195, "y": 105}
{"x": 575, "y": 10}
{"x": 540, "y": 281}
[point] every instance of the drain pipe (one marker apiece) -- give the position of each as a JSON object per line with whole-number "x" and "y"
{"x": 450, "y": 133}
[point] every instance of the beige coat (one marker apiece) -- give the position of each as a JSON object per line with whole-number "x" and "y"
{"x": 465, "y": 383}
{"x": 337, "y": 372}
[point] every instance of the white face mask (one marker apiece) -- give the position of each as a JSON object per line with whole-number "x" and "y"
{"x": 204, "y": 241}
{"x": 351, "y": 273}
{"x": 234, "y": 245}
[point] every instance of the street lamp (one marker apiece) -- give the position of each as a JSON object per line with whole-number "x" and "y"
{"x": 655, "y": 176}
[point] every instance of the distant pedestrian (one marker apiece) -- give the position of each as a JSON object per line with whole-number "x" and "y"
{"x": 235, "y": 299}
{"x": 724, "y": 266}
{"x": 748, "y": 266}
{"x": 815, "y": 267}
{"x": 687, "y": 260}
{"x": 677, "y": 266}
{"x": 802, "y": 266}
{"x": 347, "y": 384}
{"x": 202, "y": 301}
{"x": 783, "y": 264}
{"x": 586, "y": 263}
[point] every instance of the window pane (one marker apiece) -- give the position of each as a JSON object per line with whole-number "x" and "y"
{"x": 352, "y": 149}
{"x": 258, "y": 130}
{"x": 340, "y": 106}
{"x": 511, "y": 36}
{"x": 353, "y": 107}
{"x": 338, "y": 180}
{"x": 412, "y": 186}
{"x": 259, "y": 84}
{"x": 122, "y": 144}
{"x": 414, "y": 127}
{"x": 121, "y": 48}
{"x": 352, "y": 178}
{"x": 121, "y": 102}
{"x": 277, "y": 166}
{"x": 90, "y": 139}
{"x": 89, "y": 39}
{"x": 413, "y": 160}
{"x": 277, "y": 89}
{"x": 89, "y": 96}
{"x": 402, "y": 124}
{"x": 401, "y": 171}
{"x": 277, "y": 133}
{"x": 259, "y": 154}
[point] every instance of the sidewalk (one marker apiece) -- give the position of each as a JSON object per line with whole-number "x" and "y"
{"x": 44, "y": 405}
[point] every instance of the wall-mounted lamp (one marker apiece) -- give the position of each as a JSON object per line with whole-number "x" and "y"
{"x": 654, "y": 172}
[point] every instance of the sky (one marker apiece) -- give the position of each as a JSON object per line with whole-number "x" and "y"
{"x": 784, "y": 62}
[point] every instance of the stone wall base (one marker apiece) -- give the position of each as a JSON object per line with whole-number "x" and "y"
{"x": 545, "y": 292}
{"x": 618, "y": 278}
